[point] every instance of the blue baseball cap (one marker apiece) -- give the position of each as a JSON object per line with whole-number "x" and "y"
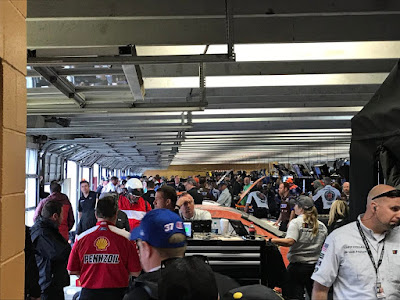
{"x": 157, "y": 226}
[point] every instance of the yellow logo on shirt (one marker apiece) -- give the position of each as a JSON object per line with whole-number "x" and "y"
{"x": 101, "y": 243}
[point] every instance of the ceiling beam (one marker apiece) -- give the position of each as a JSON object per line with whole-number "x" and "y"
{"x": 62, "y": 84}
{"x": 175, "y": 8}
{"x": 96, "y": 130}
{"x": 243, "y": 68}
{"x": 126, "y": 60}
{"x": 273, "y": 68}
{"x": 133, "y": 75}
{"x": 45, "y": 33}
{"x": 139, "y": 108}
{"x": 163, "y": 93}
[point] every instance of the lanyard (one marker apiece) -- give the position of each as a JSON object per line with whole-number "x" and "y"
{"x": 376, "y": 267}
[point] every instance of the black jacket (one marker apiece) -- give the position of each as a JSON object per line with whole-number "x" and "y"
{"x": 150, "y": 196}
{"x": 179, "y": 188}
{"x": 87, "y": 207}
{"x": 145, "y": 287}
{"x": 51, "y": 252}
{"x": 32, "y": 288}
{"x": 197, "y": 197}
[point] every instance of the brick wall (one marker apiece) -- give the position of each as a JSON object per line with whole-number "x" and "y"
{"x": 12, "y": 147}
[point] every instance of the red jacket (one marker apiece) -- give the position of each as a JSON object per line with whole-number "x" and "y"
{"x": 135, "y": 210}
{"x": 68, "y": 219}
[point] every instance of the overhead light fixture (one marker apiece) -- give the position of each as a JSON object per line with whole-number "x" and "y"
{"x": 287, "y": 51}
{"x": 266, "y": 80}
{"x": 283, "y": 110}
{"x": 274, "y": 119}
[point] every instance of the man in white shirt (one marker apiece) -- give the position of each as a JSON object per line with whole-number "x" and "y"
{"x": 225, "y": 198}
{"x": 112, "y": 186}
{"x": 187, "y": 211}
{"x": 362, "y": 259}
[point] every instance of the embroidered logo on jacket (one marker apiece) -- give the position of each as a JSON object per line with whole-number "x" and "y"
{"x": 101, "y": 243}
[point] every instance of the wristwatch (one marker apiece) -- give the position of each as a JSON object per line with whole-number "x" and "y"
{"x": 270, "y": 240}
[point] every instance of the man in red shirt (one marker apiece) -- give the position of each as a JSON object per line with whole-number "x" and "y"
{"x": 103, "y": 256}
{"x": 132, "y": 203}
{"x": 68, "y": 219}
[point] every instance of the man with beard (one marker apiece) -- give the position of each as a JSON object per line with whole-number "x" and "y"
{"x": 51, "y": 251}
{"x": 346, "y": 191}
{"x": 286, "y": 207}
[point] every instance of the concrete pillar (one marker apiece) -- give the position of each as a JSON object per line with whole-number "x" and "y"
{"x": 12, "y": 147}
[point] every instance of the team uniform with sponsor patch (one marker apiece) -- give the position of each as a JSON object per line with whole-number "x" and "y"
{"x": 134, "y": 210}
{"x": 324, "y": 198}
{"x": 286, "y": 208}
{"x": 345, "y": 263}
{"x": 259, "y": 201}
{"x": 104, "y": 257}
{"x": 303, "y": 255}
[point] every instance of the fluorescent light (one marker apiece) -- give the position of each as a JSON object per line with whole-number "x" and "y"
{"x": 287, "y": 51}
{"x": 283, "y": 131}
{"x": 273, "y": 119}
{"x": 317, "y": 51}
{"x": 241, "y": 111}
{"x": 254, "y": 136}
{"x": 265, "y": 80}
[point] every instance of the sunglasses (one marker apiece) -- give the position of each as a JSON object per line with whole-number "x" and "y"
{"x": 390, "y": 194}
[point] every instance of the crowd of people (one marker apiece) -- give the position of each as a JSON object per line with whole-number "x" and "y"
{"x": 134, "y": 228}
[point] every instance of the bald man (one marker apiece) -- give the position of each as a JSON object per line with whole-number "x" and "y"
{"x": 187, "y": 211}
{"x": 346, "y": 191}
{"x": 362, "y": 259}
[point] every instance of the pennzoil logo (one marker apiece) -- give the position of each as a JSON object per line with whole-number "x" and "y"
{"x": 101, "y": 259}
{"x": 101, "y": 243}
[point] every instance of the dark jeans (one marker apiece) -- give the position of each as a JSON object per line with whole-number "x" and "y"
{"x": 103, "y": 294}
{"x": 52, "y": 293}
{"x": 299, "y": 277}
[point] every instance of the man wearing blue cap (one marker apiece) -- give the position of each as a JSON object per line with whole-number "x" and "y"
{"x": 160, "y": 236}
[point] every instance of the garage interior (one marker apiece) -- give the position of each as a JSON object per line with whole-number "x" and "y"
{"x": 151, "y": 85}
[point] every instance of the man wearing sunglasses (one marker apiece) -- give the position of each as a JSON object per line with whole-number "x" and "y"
{"x": 362, "y": 259}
